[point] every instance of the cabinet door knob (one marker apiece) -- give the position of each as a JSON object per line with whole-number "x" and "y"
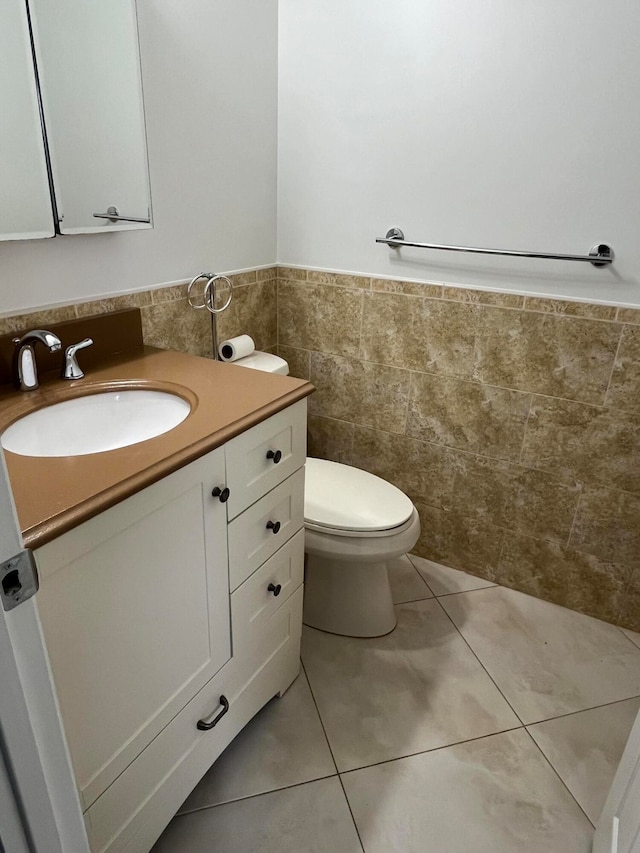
{"x": 276, "y": 455}
{"x": 273, "y": 526}
{"x": 205, "y": 727}
{"x": 222, "y": 494}
{"x": 276, "y": 590}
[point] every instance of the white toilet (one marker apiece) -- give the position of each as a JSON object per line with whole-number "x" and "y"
{"x": 354, "y": 523}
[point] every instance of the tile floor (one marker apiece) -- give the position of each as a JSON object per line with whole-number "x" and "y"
{"x": 488, "y": 721}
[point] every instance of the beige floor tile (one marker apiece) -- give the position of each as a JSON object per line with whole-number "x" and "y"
{"x": 443, "y": 581}
{"x": 283, "y": 745}
{"x": 311, "y": 818}
{"x": 406, "y": 582}
{"x": 547, "y": 660}
{"x": 415, "y": 689}
{"x": 634, "y": 636}
{"x": 585, "y": 749}
{"x": 493, "y": 795}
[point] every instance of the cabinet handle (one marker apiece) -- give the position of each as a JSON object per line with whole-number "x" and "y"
{"x": 276, "y": 590}
{"x": 222, "y": 494}
{"x": 274, "y": 526}
{"x": 276, "y": 455}
{"x": 205, "y": 727}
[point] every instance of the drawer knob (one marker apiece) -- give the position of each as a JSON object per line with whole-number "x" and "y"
{"x": 276, "y": 455}
{"x": 205, "y": 727}
{"x": 276, "y": 590}
{"x": 274, "y": 526}
{"x": 222, "y": 494}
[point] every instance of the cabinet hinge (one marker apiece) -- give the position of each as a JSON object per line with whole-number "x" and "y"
{"x": 18, "y": 579}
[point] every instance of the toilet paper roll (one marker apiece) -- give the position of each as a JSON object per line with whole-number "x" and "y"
{"x": 236, "y": 348}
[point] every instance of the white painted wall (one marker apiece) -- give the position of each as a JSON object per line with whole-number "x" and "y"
{"x": 501, "y": 124}
{"x": 210, "y": 87}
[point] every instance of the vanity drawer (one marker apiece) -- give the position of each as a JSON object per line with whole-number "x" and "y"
{"x": 133, "y": 811}
{"x": 253, "y": 537}
{"x": 250, "y": 472}
{"x": 253, "y": 604}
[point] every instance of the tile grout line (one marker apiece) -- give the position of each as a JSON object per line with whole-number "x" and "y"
{"x": 315, "y": 704}
{"x": 562, "y": 782}
{"x": 472, "y": 650}
{"x": 253, "y": 796}
{"x": 613, "y": 366}
{"x": 355, "y": 825}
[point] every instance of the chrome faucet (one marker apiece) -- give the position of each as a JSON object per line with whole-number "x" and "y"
{"x": 26, "y": 373}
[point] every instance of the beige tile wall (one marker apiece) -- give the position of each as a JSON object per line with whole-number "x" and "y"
{"x": 512, "y": 422}
{"x": 170, "y": 323}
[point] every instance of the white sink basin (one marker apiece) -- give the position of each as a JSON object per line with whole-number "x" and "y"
{"x": 95, "y": 423}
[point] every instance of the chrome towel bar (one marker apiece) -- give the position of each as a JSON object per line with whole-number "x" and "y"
{"x": 599, "y": 255}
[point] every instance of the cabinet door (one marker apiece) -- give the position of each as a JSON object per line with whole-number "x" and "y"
{"x": 134, "y": 606}
{"x": 25, "y": 203}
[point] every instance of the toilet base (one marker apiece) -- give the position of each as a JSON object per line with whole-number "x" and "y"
{"x": 348, "y": 598}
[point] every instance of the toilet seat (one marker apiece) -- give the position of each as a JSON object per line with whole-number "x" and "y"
{"x": 347, "y": 501}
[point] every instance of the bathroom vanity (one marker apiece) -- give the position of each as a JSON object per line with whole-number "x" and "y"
{"x": 172, "y": 613}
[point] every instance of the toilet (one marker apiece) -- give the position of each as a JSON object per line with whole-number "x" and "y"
{"x": 354, "y": 523}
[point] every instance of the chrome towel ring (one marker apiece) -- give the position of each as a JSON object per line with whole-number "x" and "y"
{"x": 210, "y": 292}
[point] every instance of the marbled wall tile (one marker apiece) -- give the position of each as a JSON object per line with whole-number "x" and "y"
{"x": 114, "y": 303}
{"x": 338, "y": 279}
{"x": 563, "y": 575}
{"x": 570, "y": 309}
{"x": 242, "y": 278}
{"x": 318, "y": 317}
{"x": 37, "y": 319}
{"x": 175, "y": 325}
{"x": 299, "y": 361}
{"x": 628, "y": 315}
{"x": 591, "y": 443}
{"x": 420, "y": 334}
{"x": 629, "y": 616}
{"x": 517, "y": 498}
{"x": 330, "y": 439}
{"x": 484, "y": 297}
{"x": 467, "y": 415}
{"x": 252, "y": 312}
{"x": 624, "y": 389}
{"x": 566, "y": 357}
{"x": 267, "y": 274}
{"x": 409, "y": 288}
{"x": 423, "y": 471}
{"x": 608, "y": 525}
{"x": 291, "y": 274}
{"x": 360, "y": 392}
{"x": 177, "y": 291}
{"x": 459, "y": 542}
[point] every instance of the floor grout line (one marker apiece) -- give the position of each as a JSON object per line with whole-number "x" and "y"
{"x": 315, "y": 704}
{"x": 333, "y": 758}
{"x": 253, "y": 796}
{"x": 473, "y": 652}
{"x": 564, "y": 784}
{"x": 433, "y": 749}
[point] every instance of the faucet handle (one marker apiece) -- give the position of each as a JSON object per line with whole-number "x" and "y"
{"x": 71, "y": 369}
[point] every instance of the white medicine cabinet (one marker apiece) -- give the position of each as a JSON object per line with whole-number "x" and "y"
{"x": 73, "y": 154}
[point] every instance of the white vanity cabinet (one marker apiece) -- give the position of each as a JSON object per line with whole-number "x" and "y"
{"x": 148, "y": 641}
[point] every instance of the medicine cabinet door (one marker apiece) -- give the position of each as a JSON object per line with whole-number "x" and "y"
{"x": 25, "y": 202}
{"x": 89, "y": 67}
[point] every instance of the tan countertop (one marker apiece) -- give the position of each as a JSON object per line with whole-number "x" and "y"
{"x": 54, "y": 494}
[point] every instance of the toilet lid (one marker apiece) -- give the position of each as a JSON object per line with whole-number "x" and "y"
{"x": 347, "y": 498}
